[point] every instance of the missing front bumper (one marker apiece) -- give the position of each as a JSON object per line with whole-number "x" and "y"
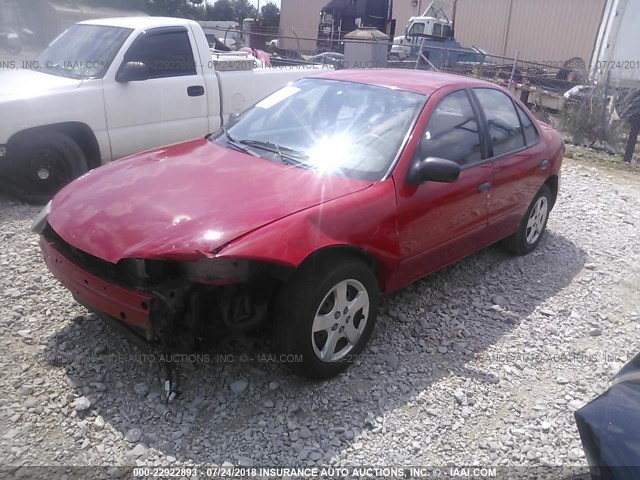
{"x": 126, "y": 305}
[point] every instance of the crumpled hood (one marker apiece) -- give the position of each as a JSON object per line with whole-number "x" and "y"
{"x": 177, "y": 201}
{"x": 22, "y": 84}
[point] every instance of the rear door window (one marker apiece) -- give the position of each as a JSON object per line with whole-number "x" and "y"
{"x": 503, "y": 122}
{"x": 530, "y": 132}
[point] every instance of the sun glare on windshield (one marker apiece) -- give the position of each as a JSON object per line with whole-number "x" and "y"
{"x": 343, "y": 128}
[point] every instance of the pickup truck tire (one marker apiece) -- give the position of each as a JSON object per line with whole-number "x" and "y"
{"x": 44, "y": 165}
{"x": 337, "y": 298}
{"x": 532, "y": 226}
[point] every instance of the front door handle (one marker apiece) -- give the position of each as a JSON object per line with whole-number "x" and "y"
{"x": 544, "y": 164}
{"x": 483, "y": 187}
{"x": 195, "y": 91}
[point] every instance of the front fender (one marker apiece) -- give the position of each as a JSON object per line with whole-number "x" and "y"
{"x": 365, "y": 220}
{"x": 62, "y": 105}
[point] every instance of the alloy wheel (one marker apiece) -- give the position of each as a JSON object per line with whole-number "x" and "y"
{"x": 537, "y": 220}
{"x": 340, "y": 320}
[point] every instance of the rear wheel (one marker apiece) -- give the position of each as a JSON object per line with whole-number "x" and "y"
{"x": 532, "y": 226}
{"x": 325, "y": 315}
{"x": 44, "y": 165}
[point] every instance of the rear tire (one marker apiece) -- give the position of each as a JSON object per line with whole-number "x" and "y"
{"x": 43, "y": 166}
{"x": 325, "y": 314}
{"x": 532, "y": 226}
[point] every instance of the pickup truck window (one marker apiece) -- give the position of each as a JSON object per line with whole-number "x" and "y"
{"x": 166, "y": 54}
{"x": 83, "y": 51}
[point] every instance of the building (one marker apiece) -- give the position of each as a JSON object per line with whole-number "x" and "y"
{"x": 546, "y": 31}
{"x": 300, "y": 18}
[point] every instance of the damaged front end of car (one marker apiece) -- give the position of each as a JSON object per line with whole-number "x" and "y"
{"x": 181, "y": 305}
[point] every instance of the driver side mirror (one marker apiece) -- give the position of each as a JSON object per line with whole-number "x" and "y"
{"x": 433, "y": 169}
{"x": 133, "y": 72}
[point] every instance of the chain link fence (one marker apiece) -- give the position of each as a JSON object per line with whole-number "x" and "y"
{"x": 559, "y": 93}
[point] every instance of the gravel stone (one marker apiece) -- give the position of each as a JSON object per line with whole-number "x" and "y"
{"x": 239, "y": 386}
{"x": 141, "y": 389}
{"x": 392, "y": 360}
{"x": 460, "y": 397}
{"x": 304, "y": 433}
{"x": 99, "y": 423}
{"x": 139, "y": 450}
{"x": 315, "y": 456}
{"x": 482, "y": 363}
{"x": 499, "y": 300}
{"x": 82, "y": 404}
{"x": 26, "y": 390}
{"x": 133, "y": 435}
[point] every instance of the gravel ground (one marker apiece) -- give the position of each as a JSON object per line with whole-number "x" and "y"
{"x": 482, "y": 363}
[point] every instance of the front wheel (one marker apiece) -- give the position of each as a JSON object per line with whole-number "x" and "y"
{"x": 325, "y": 315}
{"x": 44, "y": 165}
{"x": 532, "y": 226}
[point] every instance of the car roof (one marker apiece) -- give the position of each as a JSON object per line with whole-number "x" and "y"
{"x": 418, "y": 81}
{"x": 139, "y": 22}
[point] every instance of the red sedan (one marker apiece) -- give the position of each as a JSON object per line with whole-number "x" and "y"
{"x": 302, "y": 210}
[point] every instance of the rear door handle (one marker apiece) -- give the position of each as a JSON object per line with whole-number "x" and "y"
{"x": 195, "y": 91}
{"x": 544, "y": 164}
{"x": 483, "y": 187}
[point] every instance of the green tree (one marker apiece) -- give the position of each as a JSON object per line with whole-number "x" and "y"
{"x": 221, "y": 10}
{"x": 270, "y": 15}
{"x": 243, "y": 9}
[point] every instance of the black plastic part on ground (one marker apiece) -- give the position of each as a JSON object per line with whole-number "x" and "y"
{"x": 609, "y": 428}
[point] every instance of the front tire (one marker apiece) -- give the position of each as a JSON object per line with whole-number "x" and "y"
{"x": 533, "y": 224}
{"x": 44, "y": 165}
{"x": 325, "y": 314}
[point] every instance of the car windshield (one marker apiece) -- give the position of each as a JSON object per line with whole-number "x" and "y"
{"x": 344, "y": 128}
{"x": 83, "y": 51}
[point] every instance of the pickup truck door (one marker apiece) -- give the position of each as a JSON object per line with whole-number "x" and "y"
{"x": 169, "y": 106}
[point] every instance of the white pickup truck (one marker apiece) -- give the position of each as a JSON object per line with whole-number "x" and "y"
{"x": 109, "y": 88}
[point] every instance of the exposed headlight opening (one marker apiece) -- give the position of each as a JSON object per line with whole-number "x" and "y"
{"x": 218, "y": 271}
